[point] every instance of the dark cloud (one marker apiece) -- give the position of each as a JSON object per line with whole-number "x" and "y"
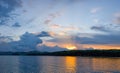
{"x": 5, "y": 39}
{"x": 100, "y": 28}
{"x": 16, "y": 25}
{"x": 6, "y": 8}
{"x": 43, "y": 34}
{"x": 99, "y": 39}
{"x": 28, "y": 41}
{"x": 57, "y": 40}
{"x": 109, "y": 28}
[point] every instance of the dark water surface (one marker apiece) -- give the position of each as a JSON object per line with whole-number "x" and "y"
{"x": 58, "y": 64}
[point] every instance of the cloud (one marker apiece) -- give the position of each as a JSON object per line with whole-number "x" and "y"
{"x": 57, "y": 34}
{"x": 100, "y": 28}
{"x": 95, "y": 10}
{"x": 116, "y": 19}
{"x": 16, "y": 25}
{"x": 54, "y": 26}
{"x": 43, "y": 34}
{"x": 71, "y": 28}
{"x": 54, "y": 15}
{"x": 48, "y": 21}
{"x": 99, "y": 39}
{"x": 64, "y": 29}
{"x": 108, "y": 28}
{"x": 62, "y": 40}
{"x": 6, "y": 9}
{"x": 70, "y": 2}
{"x": 96, "y": 20}
{"x": 5, "y": 39}
{"x": 27, "y": 42}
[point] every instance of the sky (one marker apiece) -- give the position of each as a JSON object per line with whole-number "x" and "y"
{"x": 71, "y": 24}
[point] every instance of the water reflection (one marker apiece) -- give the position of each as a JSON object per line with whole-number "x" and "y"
{"x": 55, "y": 64}
{"x": 70, "y": 64}
{"x": 28, "y": 64}
{"x": 52, "y": 64}
{"x": 84, "y": 64}
{"x": 9, "y": 64}
{"x": 106, "y": 64}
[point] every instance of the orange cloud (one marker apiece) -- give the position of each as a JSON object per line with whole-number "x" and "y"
{"x": 52, "y": 16}
{"x": 71, "y": 45}
{"x": 58, "y": 34}
{"x": 63, "y": 29}
{"x": 71, "y": 28}
{"x": 55, "y": 26}
{"x": 101, "y": 46}
{"x": 52, "y": 33}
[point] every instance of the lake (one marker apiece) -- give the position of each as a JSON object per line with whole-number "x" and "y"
{"x": 58, "y": 64}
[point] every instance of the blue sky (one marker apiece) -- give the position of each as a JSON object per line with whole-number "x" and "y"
{"x": 68, "y": 22}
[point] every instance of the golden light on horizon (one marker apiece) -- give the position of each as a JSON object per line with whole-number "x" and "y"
{"x": 106, "y": 47}
{"x": 68, "y": 46}
{"x": 71, "y": 47}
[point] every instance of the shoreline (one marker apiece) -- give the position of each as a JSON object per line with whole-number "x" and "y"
{"x": 82, "y": 53}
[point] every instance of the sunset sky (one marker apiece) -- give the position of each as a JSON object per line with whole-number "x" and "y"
{"x": 71, "y": 24}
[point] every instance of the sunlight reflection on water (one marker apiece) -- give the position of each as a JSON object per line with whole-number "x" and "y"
{"x": 57, "y": 64}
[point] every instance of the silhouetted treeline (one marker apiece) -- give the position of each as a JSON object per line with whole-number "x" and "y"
{"x": 94, "y": 53}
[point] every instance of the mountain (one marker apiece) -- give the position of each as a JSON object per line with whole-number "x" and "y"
{"x": 44, "y": 48}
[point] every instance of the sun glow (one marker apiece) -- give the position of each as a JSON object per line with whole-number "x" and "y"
{"x": 70, "y": 47}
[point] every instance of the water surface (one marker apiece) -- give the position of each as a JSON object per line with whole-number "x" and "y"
{"x": 58, "y": 64}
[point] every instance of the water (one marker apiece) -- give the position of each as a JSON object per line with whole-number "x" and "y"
{"x": 58, "y": 64}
